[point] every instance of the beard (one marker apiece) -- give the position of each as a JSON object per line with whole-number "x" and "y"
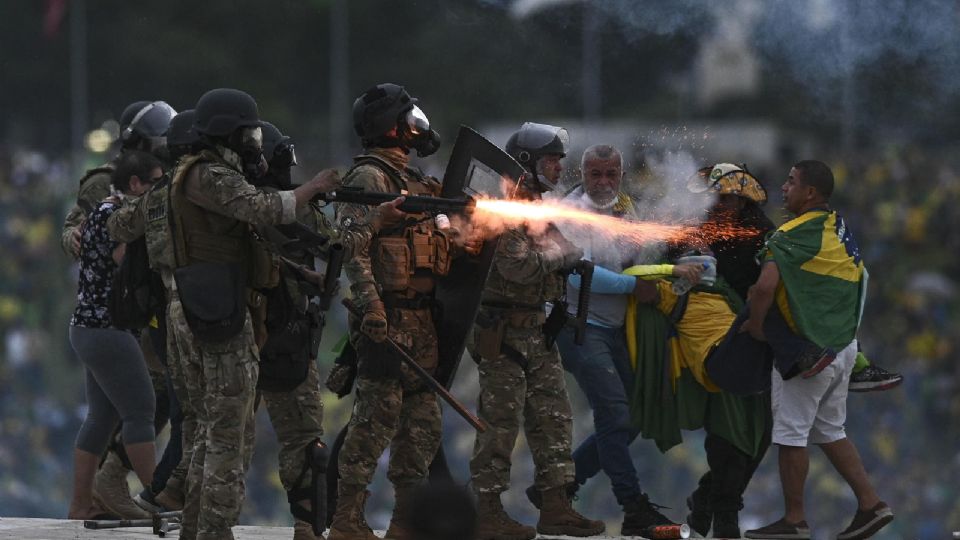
{"x": 602, "y": 198}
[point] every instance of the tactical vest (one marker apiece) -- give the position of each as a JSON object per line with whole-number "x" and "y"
{"x": 199, "y": 235}
{"x": 157, "y": 227}
{"x": 406, "y": 259}
{"x": 501, "y": 289}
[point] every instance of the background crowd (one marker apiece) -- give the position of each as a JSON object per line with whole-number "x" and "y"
{"x": 891, "y": 141}
{"x": 907, "y": 436}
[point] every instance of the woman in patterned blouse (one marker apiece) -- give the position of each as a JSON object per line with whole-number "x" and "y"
{"x": 118, "y": 385}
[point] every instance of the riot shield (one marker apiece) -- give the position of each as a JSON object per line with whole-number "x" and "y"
{"x": 481, "y": 166}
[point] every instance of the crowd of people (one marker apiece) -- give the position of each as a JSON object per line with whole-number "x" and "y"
{"x": 905, "y": 327}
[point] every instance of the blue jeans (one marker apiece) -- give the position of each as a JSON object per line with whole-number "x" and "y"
{"x": 601, "y": 367}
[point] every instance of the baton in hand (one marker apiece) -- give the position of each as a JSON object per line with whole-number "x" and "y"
{"x": 434, "y": 385}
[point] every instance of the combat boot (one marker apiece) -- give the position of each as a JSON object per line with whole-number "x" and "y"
{"x": 304, "y": 531}
{"x": 399, "y": 528}
{"x": 348, "y": 521}
{"x": 495, "y": 524}
{"x": 558, "y": 518}
{"x": 172, "y": 495}
{"x": 111, "y": 491}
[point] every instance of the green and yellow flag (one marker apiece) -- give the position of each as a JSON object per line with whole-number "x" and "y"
{"x": 822, "y": 278}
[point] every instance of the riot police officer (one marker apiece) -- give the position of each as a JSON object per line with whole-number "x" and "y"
{"x": 216, "y": 273}
{"x": 393, "y": 283}
{"x": 142, "y": 127}
{"x": 519, "y": 370}
{"x": 289, "y": 380}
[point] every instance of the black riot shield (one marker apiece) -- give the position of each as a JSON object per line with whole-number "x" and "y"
{"x": 481, "y": 166}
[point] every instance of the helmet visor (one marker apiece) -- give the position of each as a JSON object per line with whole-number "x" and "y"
{"x": 417, "y": 121}
{"x": 153, "y": 120}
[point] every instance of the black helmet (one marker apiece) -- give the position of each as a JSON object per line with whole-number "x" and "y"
{"x": 148, "y": 126}
{"x": 221, "y": 111}
{"x": 377, "y": 110}
{"x": 277, "y": 148}
{"x": 181, "y": 137}
{"x": 127, "y": 115}
{"x": 533, "y": 141}
{"x": 181, "y": 132}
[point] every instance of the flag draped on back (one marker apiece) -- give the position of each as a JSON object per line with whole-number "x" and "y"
{"x": 822, "y": 277}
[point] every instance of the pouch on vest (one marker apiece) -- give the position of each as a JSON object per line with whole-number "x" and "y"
{"x": 213, "y": 295}
{"x": 264, "y": 266}
{"x": 393, "y": 263}
{"x": 285, "y": 357}
{"x": 136, "y": 293}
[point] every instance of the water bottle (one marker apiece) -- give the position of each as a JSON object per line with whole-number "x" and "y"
{"x": 682, "y": 286}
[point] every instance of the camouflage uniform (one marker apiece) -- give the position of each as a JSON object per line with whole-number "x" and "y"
{"x": 392, "y": 406}
{"x": 220, "y": 376}
{"x": 147, "y": 216}
{"x": 297, "y": 414}
{"x": 94, "y": 187}
{"x": 526, "y": 377}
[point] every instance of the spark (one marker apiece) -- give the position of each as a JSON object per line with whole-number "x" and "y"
{"x": 495, "y": 214}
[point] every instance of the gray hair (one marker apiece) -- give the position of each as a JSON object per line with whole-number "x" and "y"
{"x": 600, "y": 151}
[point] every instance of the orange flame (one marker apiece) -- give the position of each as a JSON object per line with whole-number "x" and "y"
{"x": 496, "y": 214}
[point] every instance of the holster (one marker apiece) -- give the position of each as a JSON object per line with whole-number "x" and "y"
{"x": 344, "y": 372}
{"x": 555, "y": 322}
{"x": 213, "y": 295}
{"x": 489, "y": 337}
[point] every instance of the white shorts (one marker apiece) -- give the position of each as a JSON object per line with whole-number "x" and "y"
{"x": 813, "y": 411}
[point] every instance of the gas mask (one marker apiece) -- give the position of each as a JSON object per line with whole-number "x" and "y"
{"x": 284, "y": 158}
{"x": 247, "y": 142}
{"x": 413, "y": 131}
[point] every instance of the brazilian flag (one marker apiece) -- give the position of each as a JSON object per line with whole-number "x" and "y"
{"x": 822, "y": 278}
{"x": 667, "y": 397}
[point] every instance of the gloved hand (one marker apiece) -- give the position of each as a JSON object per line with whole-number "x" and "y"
{"x": 374, "y": 322}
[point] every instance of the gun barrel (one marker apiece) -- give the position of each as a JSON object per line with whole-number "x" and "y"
{"x": 413, "y": 204}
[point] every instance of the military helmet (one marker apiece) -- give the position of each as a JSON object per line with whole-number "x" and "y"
{"x": 129, "y": 112}
{"x": 377, "y": 110}
{"x": 277, "y": 147}
{"x": 728, "y": 179}
{"x": 533, "y": 141}
{"x": 181, "y": 132}
{"x": 221, "y": 111}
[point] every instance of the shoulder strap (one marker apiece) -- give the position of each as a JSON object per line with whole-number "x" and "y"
{"x": 392, "y": 172}
{"x": 174, "y": 219}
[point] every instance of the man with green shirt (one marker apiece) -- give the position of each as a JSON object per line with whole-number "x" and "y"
{"x": 813, "y": 271}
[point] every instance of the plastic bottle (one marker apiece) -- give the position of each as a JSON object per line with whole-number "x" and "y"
{"x": 682, "y": 286}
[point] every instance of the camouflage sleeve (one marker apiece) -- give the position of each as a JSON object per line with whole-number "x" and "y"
{"x": 519, "y": 261}
{"x": 353, "y": 222}
{"x": 225, "y": 191}
{"x": 353, "y": 239}
{"x": 127, "y": 223}
{"x": 92, "y": 191}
